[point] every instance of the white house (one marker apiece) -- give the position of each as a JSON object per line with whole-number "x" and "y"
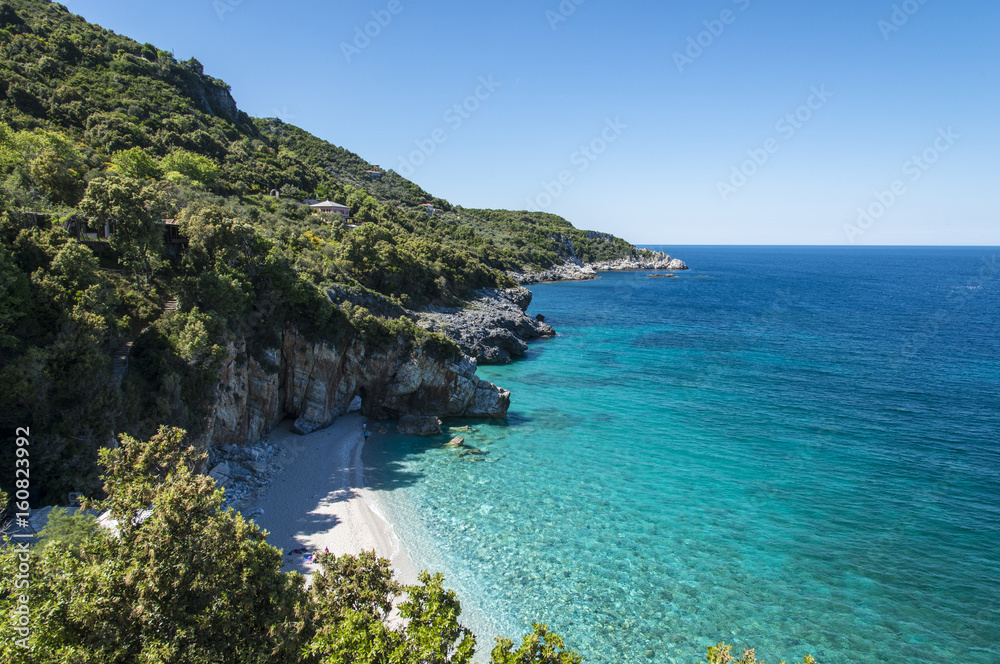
{"x": 330, "y": 206}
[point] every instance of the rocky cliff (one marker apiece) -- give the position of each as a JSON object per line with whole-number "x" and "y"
{"x": 314, "y": 382}
{"x": 492, "y": 328}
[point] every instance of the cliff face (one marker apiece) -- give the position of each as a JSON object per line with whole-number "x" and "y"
{"x": 315, "y": 382}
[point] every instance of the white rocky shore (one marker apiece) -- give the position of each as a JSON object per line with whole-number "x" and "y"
{"x": 576, "y": 270}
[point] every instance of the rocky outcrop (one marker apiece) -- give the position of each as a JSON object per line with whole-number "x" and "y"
{"x": 642, "y": 261}
{"x": 572, "y": 270}
{"x": 576, "y": 270}
{"x": 493, "y": 328}
{"x": 315, "y": 382}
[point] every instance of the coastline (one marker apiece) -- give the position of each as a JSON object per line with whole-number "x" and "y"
{"x": 573, "y": 269}
{"x": 318, "y": 500}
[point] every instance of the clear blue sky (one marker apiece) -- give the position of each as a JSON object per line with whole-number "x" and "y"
{"x": 670, "y": 122}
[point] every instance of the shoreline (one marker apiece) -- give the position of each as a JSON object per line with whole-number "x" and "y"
{"x": 318, "y": 500}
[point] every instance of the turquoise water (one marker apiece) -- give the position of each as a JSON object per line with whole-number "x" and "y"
{"x": 797, "y": 451}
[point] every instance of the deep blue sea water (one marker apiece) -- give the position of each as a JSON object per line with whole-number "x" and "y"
{"x": 794, "y": 449}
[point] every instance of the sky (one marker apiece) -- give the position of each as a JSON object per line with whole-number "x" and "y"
{"x": 870, "y": 122}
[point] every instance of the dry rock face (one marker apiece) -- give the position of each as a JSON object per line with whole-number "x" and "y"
{"x": 493, "y": 328}
{"x": 315, "y": 382}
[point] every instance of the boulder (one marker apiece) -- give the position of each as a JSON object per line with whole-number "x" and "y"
{"x": 457, "y": 441}
{"x": 258, "y": 467}
{"x": 304, "y": 427}
{"x": 419, "y": 425}
{"x": 220, "y": 473}
{"x": 237, "y": 471}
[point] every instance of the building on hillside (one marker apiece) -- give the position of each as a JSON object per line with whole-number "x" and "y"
{"x": 374, "y": 175}
{"x": 330, "y": 206}
{"x": 173, "y": 241}
{"x": 428, "y": 208}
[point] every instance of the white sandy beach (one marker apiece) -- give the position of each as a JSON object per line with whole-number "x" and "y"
{"x": 318, "y": 501}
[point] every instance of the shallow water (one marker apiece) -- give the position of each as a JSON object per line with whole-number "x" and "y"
{"x": 796, "y": 452}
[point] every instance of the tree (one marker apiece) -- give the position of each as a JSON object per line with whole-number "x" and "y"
{"x": 177, "y": 579}
{"x": 44, "y": 160}
{"x": 723, "y": 654}
{"x": 353, "y": 597}
{"x": 135, "y": 163}
{"x": 135, "y": 211}
{"x": 72, "y": 532}
{"x": 15, "y": 298}
{"x": 200, "y": 170}
{"x": 173, "y": 577}
{"x": 541, "y": 647}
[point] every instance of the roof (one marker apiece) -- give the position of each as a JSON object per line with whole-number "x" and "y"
{"x": 329, "y": 204}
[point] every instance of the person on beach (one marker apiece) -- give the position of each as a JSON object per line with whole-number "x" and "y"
{"x": 364, "y": 427}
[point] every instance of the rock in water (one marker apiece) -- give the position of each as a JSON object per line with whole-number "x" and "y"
{"x": 419, "y": 425}
{"x": 457, "y": 441}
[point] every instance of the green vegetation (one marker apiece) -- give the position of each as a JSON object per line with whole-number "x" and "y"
{"x": 68, "y": 531}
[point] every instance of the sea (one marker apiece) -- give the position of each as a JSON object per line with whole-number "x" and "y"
{"x": 792, "y": 449}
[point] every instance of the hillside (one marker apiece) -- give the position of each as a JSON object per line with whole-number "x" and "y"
{"x": 103, "y": 335}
